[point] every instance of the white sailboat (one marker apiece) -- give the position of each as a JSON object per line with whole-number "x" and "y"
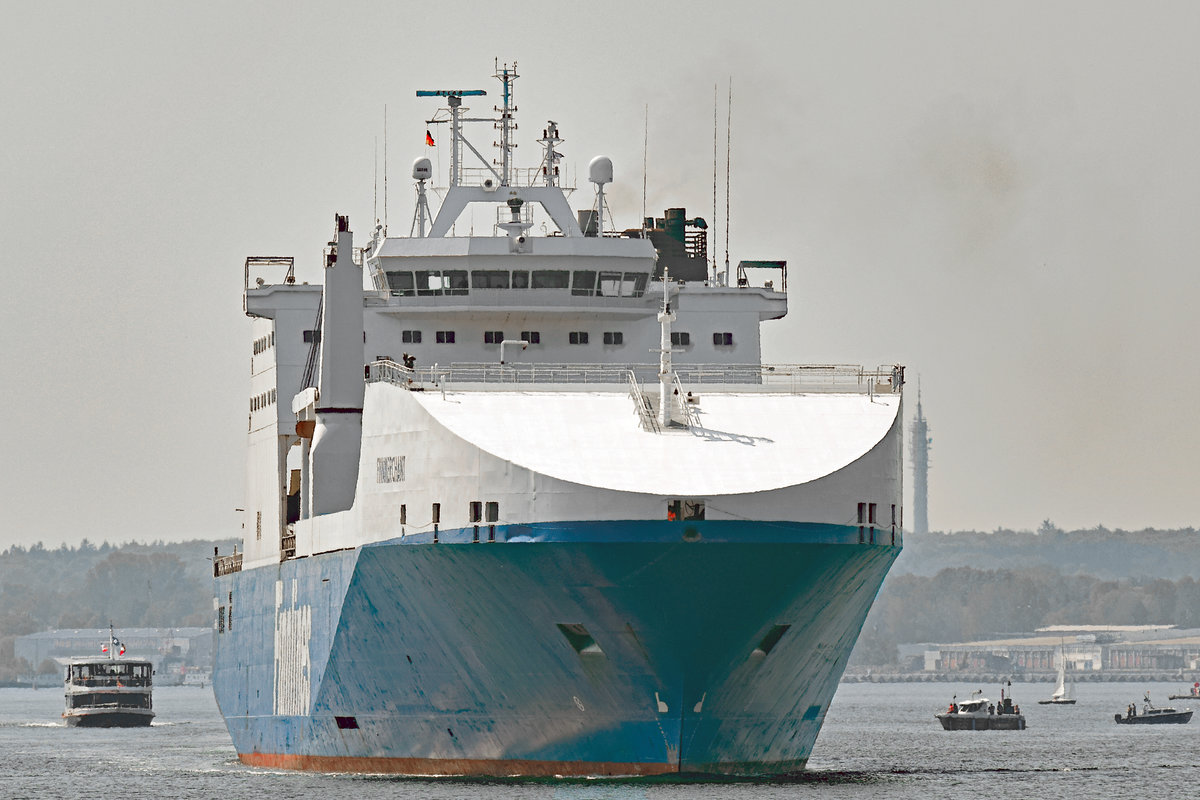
{"x": 1059, "y": 698}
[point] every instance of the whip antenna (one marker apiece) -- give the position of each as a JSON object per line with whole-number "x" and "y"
{"x": 728, "y": 152}
{"x": 645, "y": 158}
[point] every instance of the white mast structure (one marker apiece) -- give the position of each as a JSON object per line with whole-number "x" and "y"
{"x": 498, "y": 188}
{"x": 666, "y": 376}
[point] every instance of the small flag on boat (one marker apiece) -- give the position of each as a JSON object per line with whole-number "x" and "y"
{"x": 428, "y": 138}
{"x": 120, "y": 648}
{"x": 104, "y": 647}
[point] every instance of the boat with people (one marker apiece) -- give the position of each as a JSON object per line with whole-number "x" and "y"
{"x": 110, "y": 691}
{"x": 531, "y": 505}
{"x": 1193, "y": 693}
{"x": 1153, "y": 715}
{"x": 980, "y": 714}
{"x": 1060, "y": 695}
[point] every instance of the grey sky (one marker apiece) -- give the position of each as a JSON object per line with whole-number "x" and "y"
{"x": 1004, "y": 197}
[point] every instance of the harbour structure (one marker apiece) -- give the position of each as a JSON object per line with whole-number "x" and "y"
{"x": 532, "y": 505}
{"x": 921, "y": 440}
{"x": 1089, "y": 652}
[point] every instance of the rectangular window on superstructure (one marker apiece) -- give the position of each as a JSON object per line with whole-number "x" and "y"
{"x": 410, "y": 337}
{"x": 475, "y": 511}
{"x": 583, "y": 282}
{"x": 520, "y": 279}
{"x": 609, "y": 284}
{"x": 493, "y": 512}
{"x": 444, "y": 337}
{"x": 551, "y": 279}
{"x": 455, "y": 281}
{"x": 577, "y": 337}
{"x": 403, "y": 514}
{"x": 258, "y": 525}
{"x": 401, "y": 284}
{"x": 429, "y": 281}
{"x": 489, "y": 279}
{"x": 533, "y": 337}
{"x": 493, "y": 337}
{"x": 311, "y": 336}
{"x": 634, "y": 284}
{"x": 437, "y": 513}
{"x": 614, "y": 337}
{"x": 723, "y": 339}
{"x": 871, "y": 513}
{"x": 681, "y": 338}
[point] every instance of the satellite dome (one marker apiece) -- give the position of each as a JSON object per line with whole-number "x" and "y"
{"x": 422, "y": 169}
{"x": 600, "y": 170}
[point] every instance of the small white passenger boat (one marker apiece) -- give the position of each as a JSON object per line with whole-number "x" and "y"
{"x": 110, "y": 691}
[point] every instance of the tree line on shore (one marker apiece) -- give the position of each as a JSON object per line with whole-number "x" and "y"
{"x": 157, "y": 585}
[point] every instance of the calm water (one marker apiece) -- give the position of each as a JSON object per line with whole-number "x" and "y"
{"x": 878, "y": 740}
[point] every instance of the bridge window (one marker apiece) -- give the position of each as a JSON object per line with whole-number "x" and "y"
{"x": 681, "y": 338}
{"x": 493, "y": 337}
{"x": 533, "y": 337}
{"x": 583, "y": 282}
{"x": 520, "y": 279}
{"x": 311, "y": 336}
{"x": 410, "y": 337}
{"x": 577, "y": 337}
{"x": 614, "y": 337}
{"x": 489, "y": 279}
{"x": 444, "y": 337}
{"x": 401, "y": 284}
{"x": 551, "y": 278}
{"x": 723, "y": 339}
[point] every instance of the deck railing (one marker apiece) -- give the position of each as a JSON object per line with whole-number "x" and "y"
{"x": 793, "y": 378}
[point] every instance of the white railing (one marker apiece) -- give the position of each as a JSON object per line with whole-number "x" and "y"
{"x": 771, "y": 377}
{"x": 685, "y": 405}
{"x": 642, "y": 404}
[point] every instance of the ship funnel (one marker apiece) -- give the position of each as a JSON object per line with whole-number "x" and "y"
{"x": 337, "y": 439}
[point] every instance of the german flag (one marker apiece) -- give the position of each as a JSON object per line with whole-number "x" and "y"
{"x": 428, "y": 138}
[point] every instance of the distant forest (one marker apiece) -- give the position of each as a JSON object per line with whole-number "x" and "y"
{"x": 953, "y": 587}
{"x": 945, "y": 587}
{"x": 164, "y": 584}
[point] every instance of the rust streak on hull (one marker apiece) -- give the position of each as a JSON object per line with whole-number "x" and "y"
{"x": 454, "y": 766}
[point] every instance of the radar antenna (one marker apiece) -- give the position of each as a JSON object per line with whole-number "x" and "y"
{"x": 454, "y": 100}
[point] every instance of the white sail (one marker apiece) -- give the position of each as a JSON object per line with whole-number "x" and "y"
{"x": 1060, "y": 690}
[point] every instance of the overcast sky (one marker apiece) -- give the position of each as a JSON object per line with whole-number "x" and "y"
{"x": 1003, "y": 196}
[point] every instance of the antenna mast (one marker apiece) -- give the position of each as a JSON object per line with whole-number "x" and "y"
{"x": 728, "y": 157}
{"x": 506, "y": 124}
{"x": 714, "y": 216}
{"x": 645, "y": 160}
{"x": 454, "y": 100}
{"x": 385, "y": 217}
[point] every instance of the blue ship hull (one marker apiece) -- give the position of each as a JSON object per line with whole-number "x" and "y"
{"x": 630, "y": 648}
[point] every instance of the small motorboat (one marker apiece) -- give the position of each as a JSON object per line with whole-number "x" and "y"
{"x": 1194, "y": 694}
{"x": 981, "y": 714}
{"x": 1152, "y": 715}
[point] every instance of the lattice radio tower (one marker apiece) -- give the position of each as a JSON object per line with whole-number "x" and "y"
{"x": 920, "y": 466}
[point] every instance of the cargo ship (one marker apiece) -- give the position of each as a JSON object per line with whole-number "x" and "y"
{"x": 527, "y": 502}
